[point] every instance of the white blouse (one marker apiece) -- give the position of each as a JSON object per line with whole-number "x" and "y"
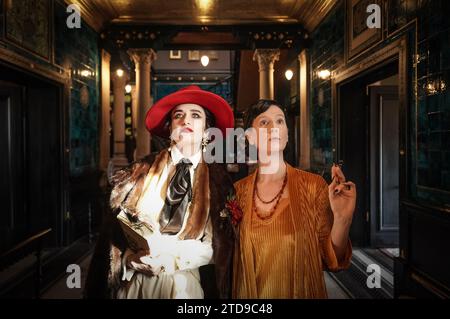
{"x": 180, "y": 258}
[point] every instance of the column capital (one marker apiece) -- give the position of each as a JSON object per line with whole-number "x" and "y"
{"x": 142, "y": 56}
{"x": 106, "y": 56}
{"x": 266, "y": 58}
{"x": 302, "y": 56}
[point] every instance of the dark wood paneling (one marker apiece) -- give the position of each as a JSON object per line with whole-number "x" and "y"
{"x": 32, "y": 142}
{"x": 350, "y": 141}
{"x": 354, "y": 153}
{"x": 429, "y": 249}
{"x": 12, "y": 214}
{"x": 42, "y": 156}
{"x": 424, "y": 246}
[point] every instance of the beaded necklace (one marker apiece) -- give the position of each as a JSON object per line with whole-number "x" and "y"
{"x": 277, "y": 198}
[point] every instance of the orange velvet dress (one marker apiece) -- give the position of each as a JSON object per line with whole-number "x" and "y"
{"x": 285, "y": 255}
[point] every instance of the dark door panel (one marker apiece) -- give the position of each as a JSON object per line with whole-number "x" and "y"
{"x": 30, "y": 158}
{"x": 384, "y": 166}
{"x": 13, "y": 213}
{"x": 354, "y": 148}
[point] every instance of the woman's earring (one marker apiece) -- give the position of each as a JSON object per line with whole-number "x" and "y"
{"x": 204, "y": 144}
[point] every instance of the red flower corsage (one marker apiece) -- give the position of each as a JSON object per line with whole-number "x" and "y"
{"x": 234, "y": 210}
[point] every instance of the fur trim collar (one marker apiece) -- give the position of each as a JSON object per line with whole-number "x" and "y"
{"x": 129, "y": 184}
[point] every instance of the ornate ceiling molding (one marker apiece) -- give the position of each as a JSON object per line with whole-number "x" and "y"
{"x": 232, "y": 37}
{"x": 311, "y": 12}
{"x": 97, "y": 14}
{"x": 100, "y": 13}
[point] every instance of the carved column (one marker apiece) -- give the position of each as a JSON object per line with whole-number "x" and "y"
{"x": 143, "y": 59}
{"x": 266, "y": 59}
{"x": 305, "y": 138}
{"x": 119, "y": 82}
{"x": 105, "y": 130}
{"x": 134, "y": 109}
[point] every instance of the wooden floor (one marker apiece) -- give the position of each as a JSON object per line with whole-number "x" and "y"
{"x": 60, "y": 291}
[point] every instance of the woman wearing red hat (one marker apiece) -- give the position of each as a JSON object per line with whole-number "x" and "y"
{"x": 182, "y": 199}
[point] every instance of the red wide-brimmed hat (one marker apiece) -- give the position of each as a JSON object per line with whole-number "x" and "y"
{"x": 157, "y": 114}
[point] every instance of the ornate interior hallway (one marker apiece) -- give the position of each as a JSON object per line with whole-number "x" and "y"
{"x": 363, "y": 85}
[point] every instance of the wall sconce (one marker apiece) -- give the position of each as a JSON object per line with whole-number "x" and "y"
{"x": 204, "y": 60}
{"x": 430, "y": 88}
{"x": 324, "y": 74}
{"x": 128, "y": 88}
{"x": 435, "y": 86}
{"x": 119, "y": 73}
{"x": 85, "y": 73}
{"x": 289, "y": 74}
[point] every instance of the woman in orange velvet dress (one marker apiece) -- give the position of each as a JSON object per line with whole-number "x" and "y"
{"x": 294, "y": 224}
